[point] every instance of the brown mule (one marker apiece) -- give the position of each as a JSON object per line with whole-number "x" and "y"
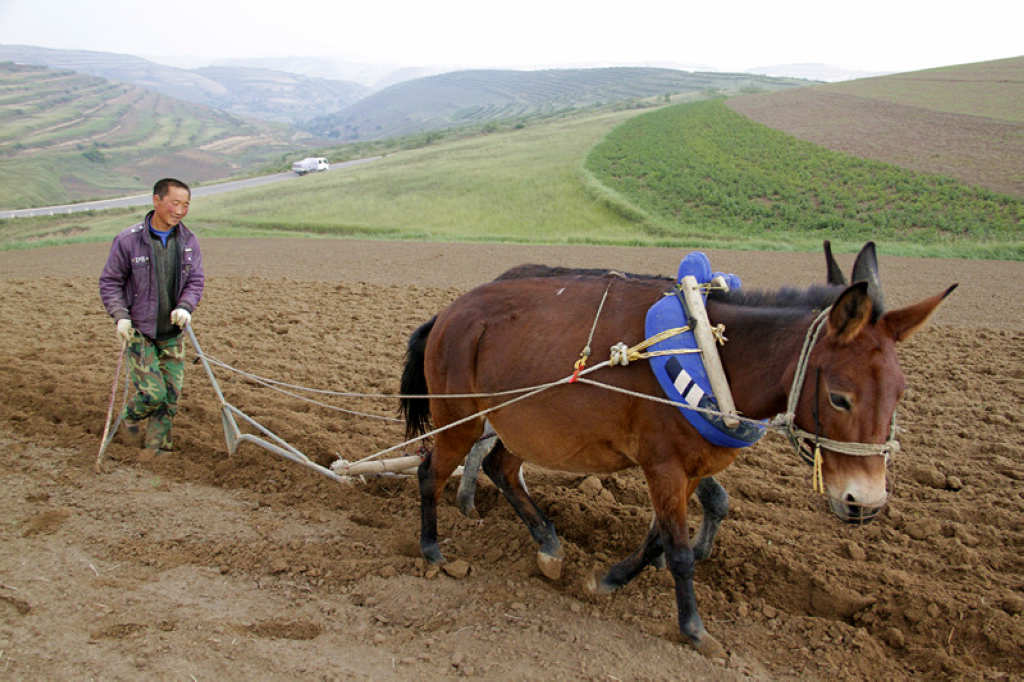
{"x": 518, "y": 333}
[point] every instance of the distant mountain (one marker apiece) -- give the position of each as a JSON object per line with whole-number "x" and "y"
{"x": 279, "y": 96}
{"x": 463, "y": 98}
{"x": 248, "y": 92}
{"x": 373, "y": 76}
{"x": 815, "y": 72}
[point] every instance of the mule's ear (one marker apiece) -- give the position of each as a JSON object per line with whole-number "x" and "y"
{"x": 865, "y": 269}
{"x": 833, "y": 275}
{"x": 850, "y": 312}
{"x": 905, "y": 321}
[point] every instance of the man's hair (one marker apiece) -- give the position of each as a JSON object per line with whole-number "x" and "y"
{"x": 161, "y": 187}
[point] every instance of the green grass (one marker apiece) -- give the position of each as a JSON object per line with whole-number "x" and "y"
{"x": 700, "y": 172}
{"x": 520, "y": 185}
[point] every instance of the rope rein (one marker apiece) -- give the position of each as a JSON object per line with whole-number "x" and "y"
{"x": 786, "y": 422}
{"x": 620, "y": 355}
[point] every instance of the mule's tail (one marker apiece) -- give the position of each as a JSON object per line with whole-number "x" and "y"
{"x": 414, "y": 382}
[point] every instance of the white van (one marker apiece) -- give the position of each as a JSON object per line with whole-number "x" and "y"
{"x": 312, "y": 164}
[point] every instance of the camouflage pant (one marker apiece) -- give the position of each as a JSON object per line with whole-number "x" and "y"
{"x": 156, "y": 370}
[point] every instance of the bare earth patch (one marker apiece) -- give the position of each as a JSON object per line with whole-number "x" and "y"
{"x": 251, "y": 567}
{"x": 972, "y": 149}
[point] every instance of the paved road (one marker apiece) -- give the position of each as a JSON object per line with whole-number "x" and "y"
{"x": 146, "y": 199}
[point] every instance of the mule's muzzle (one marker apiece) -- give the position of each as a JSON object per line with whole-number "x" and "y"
{"x": 854, "y": 512}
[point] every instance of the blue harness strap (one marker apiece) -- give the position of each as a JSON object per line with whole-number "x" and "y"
{"x": 683, "y": 377}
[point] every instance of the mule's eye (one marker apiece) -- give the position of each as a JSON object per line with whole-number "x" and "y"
{"x": 840, "y": 401}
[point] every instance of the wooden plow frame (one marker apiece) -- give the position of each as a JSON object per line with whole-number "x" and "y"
{"x": 340, "y": 471}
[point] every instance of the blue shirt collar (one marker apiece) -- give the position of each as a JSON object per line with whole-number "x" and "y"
{"x": 161, "y": 234}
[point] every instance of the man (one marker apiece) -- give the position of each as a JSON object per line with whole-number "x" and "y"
{"x": 151, "y": 285}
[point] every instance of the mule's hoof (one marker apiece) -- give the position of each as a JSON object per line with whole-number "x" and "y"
{"x": 550, "y": 566}
{"x": 597, "y": 585}
{"x": 469, "y": 512}
{"x": 432, "y": 553}
{"x": 709, "y": 647}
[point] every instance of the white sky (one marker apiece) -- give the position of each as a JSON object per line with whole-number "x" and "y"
{"x": 870, "y": 35}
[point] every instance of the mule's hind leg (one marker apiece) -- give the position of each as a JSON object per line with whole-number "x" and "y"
{"x": 466, "y": 497}
{"x": 715, "y": 502}
{"x": 505, "y": 469}
{"x": 433, "y": 473}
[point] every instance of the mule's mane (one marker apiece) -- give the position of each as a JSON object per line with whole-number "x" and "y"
{"x": 528, "y": 270}
{"x": 816, "y": 297}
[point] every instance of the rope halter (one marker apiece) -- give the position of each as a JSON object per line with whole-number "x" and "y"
{"x": 787, "y": 421}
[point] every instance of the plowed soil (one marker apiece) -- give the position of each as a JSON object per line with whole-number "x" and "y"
{"x": 204, "y": 565}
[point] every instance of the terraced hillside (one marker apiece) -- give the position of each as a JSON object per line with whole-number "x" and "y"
{"x": 244, "y": 91}
{"x": 65, "y": 136}
{"x": 464, "y": 98}
{"x": 965, "y": 122}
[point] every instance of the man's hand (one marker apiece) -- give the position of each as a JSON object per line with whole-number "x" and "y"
{"x": 181, "y": 317}
{"x": 124, "y": 329}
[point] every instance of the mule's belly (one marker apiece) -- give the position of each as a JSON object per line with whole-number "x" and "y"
{"x": 571, "y": 453}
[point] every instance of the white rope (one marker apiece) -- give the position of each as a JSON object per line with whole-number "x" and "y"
{"x": 783, "y": 423}
{"x": 272, "y": 383}
{"x": 787, "y": 422}
{"x": 593, "y": 327}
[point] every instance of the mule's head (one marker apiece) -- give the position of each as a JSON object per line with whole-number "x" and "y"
{"x": 850, "y": 392}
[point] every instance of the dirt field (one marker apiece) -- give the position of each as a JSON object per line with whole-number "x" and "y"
{"x": 200, "y": 565}
{"x": 972, "y": 149}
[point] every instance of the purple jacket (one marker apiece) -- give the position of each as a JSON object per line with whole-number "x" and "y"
{"x": 128, "y": 281}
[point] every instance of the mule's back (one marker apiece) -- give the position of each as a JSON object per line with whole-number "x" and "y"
{"x": 519, "y": 333}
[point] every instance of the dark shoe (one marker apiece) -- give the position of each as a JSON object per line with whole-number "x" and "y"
{"x": 150, "y": 454}
{"x": 129, "y": 434}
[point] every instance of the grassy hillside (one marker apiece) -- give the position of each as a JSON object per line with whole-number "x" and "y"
{"x": 682, "y": 176}
{"x": 700, "y": 172}
{"x": 466, "y": 98}
{"x": 247, "y": 92}
{"x": 65, "y": 136}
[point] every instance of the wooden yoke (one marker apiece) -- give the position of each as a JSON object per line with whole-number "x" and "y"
{"x": 708, "y": 351}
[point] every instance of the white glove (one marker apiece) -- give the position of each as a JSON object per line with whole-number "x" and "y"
{"x": 181, "y": 317}
{"x": 124, "y": 329}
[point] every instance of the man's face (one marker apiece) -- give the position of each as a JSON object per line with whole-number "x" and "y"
{"x": 171, "y": 209}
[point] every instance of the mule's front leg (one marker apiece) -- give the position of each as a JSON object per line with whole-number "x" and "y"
{"x": 681, "y": 562}
{"x": 670, "y": 489}
{"x": 630, "y": 567}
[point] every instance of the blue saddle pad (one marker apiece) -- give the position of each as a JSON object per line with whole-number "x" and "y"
{"x": 683, "y": 377}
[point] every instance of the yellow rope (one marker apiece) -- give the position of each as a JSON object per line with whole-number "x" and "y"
{"x": 634, "y": 352}
{"x": 819, "y": 479}
{"x": 623, "y": 355}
